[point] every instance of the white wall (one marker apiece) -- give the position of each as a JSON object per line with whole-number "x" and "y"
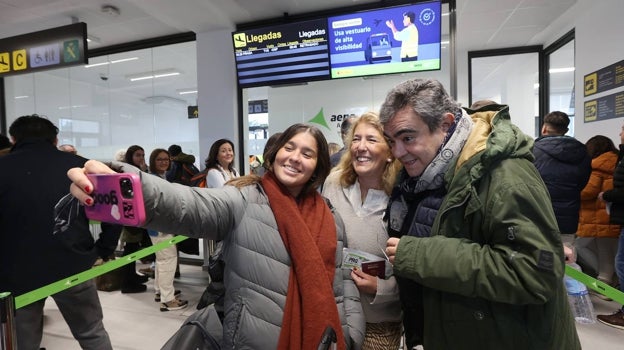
{"x": 599, "y": 43}
{"x": 598, "y": 26}
{"x": 217, "y": 91}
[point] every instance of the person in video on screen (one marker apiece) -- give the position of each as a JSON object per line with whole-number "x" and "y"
{"x": 408, "y": 36}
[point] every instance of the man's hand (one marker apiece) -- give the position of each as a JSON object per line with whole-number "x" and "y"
{"x": 391, "y": 248}
{"x": 569, "y": 253}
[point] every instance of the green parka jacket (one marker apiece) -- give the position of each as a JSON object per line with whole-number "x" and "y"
{"x": 492, "y": 271}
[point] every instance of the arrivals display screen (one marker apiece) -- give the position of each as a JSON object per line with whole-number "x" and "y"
{"x": 391, "y": 40}
{"x": 281, "y": 54}
{"x": 397, "y": 39}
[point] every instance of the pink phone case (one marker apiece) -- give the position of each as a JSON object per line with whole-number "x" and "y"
{"x": 118, "y": 199}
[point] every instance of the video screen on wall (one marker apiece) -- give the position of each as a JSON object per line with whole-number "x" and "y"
{"x": 282, "y": 54}
{"x": 382, "y": 41}
{"x": 391, "y": 40}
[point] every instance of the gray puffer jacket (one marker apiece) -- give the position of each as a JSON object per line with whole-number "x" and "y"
{"x": 257, "y": 265}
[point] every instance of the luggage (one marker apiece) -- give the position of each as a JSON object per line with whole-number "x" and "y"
{"x": 109, "y": 281}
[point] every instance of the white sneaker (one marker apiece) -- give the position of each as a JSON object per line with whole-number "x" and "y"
{"x": 175, "y": 304}
{"x": 176, "y": 293}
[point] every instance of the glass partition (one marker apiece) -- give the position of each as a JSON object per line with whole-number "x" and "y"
{"x": 509, "y": 77}
{"x": 136, "y": 97}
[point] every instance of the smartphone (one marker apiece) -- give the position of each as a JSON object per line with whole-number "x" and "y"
{"x": 118, "y": 199}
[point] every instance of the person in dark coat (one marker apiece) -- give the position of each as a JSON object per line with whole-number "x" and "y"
{"x": 5, "y": 145}
{"x": 33, "y": 179}
{"x": 334, "y": 159}
{"x": 182, "y": 166}
{"x": 615, "y": 199}
{"x": 565, "y": 167}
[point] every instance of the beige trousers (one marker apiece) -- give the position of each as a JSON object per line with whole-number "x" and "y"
{"x": 166, "y": 262}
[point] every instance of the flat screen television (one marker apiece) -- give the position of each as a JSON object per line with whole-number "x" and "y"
{"x": 282, "y": 54}
{"x": 385, "y": 41}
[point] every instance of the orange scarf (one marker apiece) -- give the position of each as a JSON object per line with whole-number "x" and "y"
{"x": 308, "y": 231}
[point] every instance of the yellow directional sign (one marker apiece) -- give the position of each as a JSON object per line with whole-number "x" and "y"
{"x": 591, "y": 111}
{"x": 240, "y": 40}
{"x": 193, "y": 112}
{"x": 4, "y": 62}
{"x": 19, "y": 60}
{"x": 591, "y": 84}
{"x": 47, "y": 49}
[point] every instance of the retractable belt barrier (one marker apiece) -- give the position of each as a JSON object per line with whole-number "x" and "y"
{"x": 595, "y": 284}
{"x": 84, "y": 276}
{"x": 55, "y": 287}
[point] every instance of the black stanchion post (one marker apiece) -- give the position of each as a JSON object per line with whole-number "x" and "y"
{"x": 8, "y": 338}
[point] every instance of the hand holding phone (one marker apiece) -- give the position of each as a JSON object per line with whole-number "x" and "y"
{"x": 117, "y": 198}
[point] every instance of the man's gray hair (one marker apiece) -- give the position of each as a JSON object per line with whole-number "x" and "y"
{"x": 426, "y": 97}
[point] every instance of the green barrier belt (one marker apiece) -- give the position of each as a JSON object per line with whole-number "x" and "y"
{"x": 84, "y": 276}
{"x": 595, "y": 284}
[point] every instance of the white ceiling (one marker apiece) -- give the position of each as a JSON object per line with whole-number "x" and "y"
{"x": 481, "y": 24}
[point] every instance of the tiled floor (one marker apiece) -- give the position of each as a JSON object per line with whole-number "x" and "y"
{"x": 134, "y": 321}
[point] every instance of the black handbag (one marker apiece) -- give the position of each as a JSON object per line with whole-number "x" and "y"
{"x": 201, "y": 331}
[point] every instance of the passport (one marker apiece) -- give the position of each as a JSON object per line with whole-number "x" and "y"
{"x": 375, "y": 268}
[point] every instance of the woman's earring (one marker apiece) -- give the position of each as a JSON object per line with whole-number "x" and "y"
{"x": 389, "y": 160}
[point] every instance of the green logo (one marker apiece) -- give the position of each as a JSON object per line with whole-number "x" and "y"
{"x": 319, "y": 119}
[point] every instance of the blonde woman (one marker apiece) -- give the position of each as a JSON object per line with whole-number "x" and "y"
{"x": 359, "y": 188}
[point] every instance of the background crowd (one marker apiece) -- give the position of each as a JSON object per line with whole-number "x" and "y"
{"x": 466, "y": 213}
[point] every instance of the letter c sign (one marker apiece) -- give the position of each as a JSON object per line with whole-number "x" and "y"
{"x": 19, "y": 60}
